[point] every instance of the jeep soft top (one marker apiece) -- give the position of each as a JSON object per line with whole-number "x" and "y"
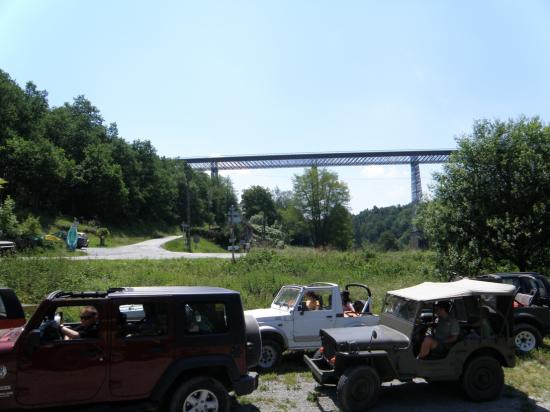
{"x": 433, "y": 291}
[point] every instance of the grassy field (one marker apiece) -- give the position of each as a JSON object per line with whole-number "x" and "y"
{"x": 204, "y": 246}
{"x": 257, "y": 276}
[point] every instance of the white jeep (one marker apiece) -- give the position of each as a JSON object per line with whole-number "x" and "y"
{"x": 289, "y": 324}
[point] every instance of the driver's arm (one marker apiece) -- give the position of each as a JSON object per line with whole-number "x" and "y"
{"x": 68, "y": 333}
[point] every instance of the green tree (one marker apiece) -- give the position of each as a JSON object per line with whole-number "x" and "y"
{"x": 369, "y": 224}
{"x": 101, "y": 188}
{"x": 9, "y": 226}
{"x": 492, "y": 200}
{"x": 339, "y": 228}
{"x": 258, "y": 200}
{"x": 316, "y": 194}
{"x": 387, "y": 241}
{"x": 38, "y": 170}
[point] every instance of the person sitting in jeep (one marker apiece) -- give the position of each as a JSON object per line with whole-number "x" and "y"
{"x": 446, "y": 332}
{"x": 88, "y": 327}
{"x": 312, "y": 302}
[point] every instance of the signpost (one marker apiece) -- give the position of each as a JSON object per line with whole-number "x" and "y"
{"x": 233, "y": 218}
{"x": 186, "y": 230}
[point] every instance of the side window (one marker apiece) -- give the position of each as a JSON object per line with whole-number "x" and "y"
{"x": 142, "y": 319}
{"x": 458, "y": 310}
{"x": 205, "y": 318}
{"x": 70, "y": 322}
{"x": 512, "y": 281}
{"x": 317, "y": 300}
{"x": 542, "y": 288}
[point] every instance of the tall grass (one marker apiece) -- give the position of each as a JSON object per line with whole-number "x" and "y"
{"x": 257, "y": 276}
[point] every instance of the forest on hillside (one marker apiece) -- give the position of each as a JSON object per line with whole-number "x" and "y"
{"x": 65, "y": 161}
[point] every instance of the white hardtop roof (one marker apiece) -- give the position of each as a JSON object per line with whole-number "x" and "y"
{"x": 449, "y": 290}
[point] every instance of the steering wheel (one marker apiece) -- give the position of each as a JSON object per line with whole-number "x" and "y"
{"x": 49, "y": 330}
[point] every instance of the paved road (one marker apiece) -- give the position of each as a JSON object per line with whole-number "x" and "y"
{"x": 150, "y": 249}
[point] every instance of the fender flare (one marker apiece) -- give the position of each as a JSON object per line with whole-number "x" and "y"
{"x": 529, "y": 319}
{"x": 269, "y": 329}
{"x": 177, "y": 368}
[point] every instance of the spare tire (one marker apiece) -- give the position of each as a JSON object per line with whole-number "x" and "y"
{"x": 253, "y": 341}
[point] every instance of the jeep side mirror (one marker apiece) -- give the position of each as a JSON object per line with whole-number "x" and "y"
{"x": 374, "y": 334}
{"x": 32, "y": 342}
{"x": 300, "y": 308}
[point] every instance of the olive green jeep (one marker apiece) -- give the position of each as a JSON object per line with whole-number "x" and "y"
{"x": 359, "y": 359}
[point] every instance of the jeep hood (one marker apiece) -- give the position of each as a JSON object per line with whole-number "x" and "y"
{"x": 266, "y": 315}
{"x": 8, "y": 338}
{"x": 359, "y": 338}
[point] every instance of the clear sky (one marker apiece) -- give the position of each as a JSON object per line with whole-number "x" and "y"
{"x": 208, "y": 78}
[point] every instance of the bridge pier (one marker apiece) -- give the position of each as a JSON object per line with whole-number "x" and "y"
{"x": 416, "y": 196}
{"x": 214, "y": 170}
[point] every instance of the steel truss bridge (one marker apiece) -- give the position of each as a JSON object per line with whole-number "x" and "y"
{"x": 414, "y": 158}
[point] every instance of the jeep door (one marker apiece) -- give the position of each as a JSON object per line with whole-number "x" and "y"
{"x": 62, "y": 371}
{"x": 141, "y": 345}
{"x": 307, "y": 323}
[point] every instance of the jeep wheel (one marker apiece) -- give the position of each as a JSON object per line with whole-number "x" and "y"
{"x": 271, "y": 355}
{"x": 358, "y": 388}
{"x": 483, "y": 379}
{"x": 201, "y": 394}
{"x": 526, "y": 337}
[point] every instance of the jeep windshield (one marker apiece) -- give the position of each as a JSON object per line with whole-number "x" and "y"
{"x": 286, "y": 298}
{"x": 400, "y": 307}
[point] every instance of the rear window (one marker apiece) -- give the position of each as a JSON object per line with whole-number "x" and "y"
{"x": 204, "y": 318}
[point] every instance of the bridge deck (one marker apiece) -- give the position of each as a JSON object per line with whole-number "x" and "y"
{"x": 319, "y": 159}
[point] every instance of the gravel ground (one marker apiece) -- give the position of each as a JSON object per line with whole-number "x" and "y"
{"x": 294, "y": 389}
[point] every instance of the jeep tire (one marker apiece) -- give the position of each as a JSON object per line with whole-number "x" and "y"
{"x": 526, "y": 337}
{"x": 358, "y": 388}
{"x": 482, "y": 379}
{"x": 271, "y": 355}
{"x": 200, "y": 394}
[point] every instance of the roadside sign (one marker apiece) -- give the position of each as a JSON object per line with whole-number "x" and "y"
{"x": 233, "y": 248}
{"x": 234, "y": 218}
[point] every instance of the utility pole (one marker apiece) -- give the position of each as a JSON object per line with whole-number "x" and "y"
{"x": 188, "y": 217}
{"x": 233, "y": 218}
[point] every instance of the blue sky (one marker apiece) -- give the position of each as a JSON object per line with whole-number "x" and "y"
{"x": 251, "y": 77}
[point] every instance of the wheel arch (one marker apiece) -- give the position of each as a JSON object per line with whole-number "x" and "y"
{"x": 492, "y": 352}
{"x": 219, "y": 367}
{"x": 529, "y": 320}
{"x": 274, "y": 334}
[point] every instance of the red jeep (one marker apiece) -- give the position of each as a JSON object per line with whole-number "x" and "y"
{"x": 147, "y": 347}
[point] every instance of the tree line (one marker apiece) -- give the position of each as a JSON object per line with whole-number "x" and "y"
{"x": 66, "y": 161}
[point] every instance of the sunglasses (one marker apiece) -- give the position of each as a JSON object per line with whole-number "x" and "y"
{"x": 87, "y": 317}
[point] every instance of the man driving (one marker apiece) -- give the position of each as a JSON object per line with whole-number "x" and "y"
{"x": 446, "y": 332}
{"x": 88, "y": 327}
